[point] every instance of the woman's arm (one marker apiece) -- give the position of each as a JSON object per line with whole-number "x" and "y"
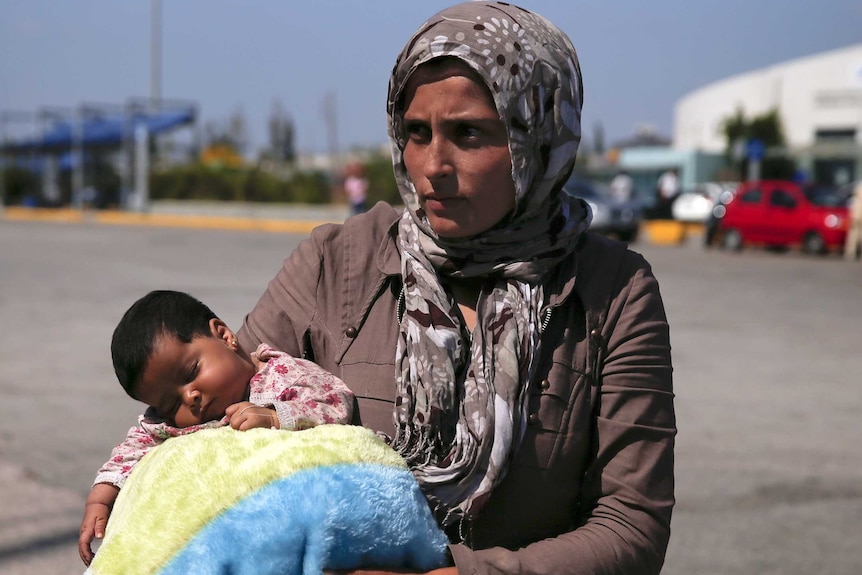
{"x": 286, "y": 307}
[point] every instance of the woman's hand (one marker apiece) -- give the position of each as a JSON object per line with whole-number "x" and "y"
{"x": 246, "y": 415}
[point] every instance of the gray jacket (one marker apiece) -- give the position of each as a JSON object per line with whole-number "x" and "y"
{"x": 591, "y": 487}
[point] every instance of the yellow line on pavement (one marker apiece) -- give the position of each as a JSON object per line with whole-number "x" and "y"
{"x": 110, "y": 217}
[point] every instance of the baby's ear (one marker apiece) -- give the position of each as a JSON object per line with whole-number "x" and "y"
{"x": 220, "y": 330}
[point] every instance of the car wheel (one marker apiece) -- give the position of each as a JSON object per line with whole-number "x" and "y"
{"x": 731, "y": 240}
{"x": 813, "y": 244}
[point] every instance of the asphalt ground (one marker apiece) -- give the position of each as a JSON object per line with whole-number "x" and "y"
{"x": 767, "y": 374}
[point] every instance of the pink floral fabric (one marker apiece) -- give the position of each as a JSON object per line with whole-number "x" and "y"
{"x": 302, "y": 393}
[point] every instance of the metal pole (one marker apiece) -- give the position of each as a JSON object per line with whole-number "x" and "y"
{"x": 3, "y": 166}
{"x": 78, "y": 158}
{"x": 156, "y": 54}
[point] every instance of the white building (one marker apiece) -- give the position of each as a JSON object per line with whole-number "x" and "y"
{"x": 819, "y": 101}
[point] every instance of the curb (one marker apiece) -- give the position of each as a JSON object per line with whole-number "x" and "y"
{"x": 117, "y": 218}
{"x": 656, "y": 232}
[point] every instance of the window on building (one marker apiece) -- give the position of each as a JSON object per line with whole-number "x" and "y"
{"x": 842, "y": 135}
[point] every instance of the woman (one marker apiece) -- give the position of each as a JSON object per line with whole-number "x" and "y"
{"x": 520, "y": 364}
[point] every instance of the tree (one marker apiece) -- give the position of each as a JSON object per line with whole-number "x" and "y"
{"x": 232, "y": 133}
{"x": 598, "y": 138}
{"x": 766, "y": 127}
{"x": 281, "y": 135}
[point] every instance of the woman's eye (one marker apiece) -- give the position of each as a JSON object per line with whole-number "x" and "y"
{"x": 416, "y": 131}
{"x": 468, "y": 132}
{"x": 193, "y": 372}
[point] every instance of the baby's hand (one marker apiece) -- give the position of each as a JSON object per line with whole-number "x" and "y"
{"x": 96, "y": 514}
{"x": 246, "y": 415}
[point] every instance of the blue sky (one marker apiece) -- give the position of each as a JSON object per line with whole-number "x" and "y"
{"x": 638, "y": 57}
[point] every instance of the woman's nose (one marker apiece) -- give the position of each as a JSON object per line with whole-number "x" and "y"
{"x": 438, "y": 162}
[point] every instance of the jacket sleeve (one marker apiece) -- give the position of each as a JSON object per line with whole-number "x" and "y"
{"x": 627, "y": 492}
{"x": 293, "y": 288}
{"x": 125, "y": 456}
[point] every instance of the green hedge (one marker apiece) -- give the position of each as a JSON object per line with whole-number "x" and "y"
{"x": 200, "y": 182}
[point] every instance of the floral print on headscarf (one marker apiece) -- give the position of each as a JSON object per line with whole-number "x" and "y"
{"x": 460, "y": 411}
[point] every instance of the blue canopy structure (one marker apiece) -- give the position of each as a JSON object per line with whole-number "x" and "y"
{"x": 102, "y": 130}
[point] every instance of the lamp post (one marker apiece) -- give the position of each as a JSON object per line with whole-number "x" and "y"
{"x": 156, "y": 54}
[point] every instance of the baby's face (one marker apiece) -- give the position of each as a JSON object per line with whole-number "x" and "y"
{"x": 192, "y": 383}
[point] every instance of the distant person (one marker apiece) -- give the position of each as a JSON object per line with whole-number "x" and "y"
{"x": 622, "y": 187}
{"x": 356, "y": 188}
{"x": 853, "y": 245}
{"x": 171, "y": 352}
{"x": 667, "y": 189}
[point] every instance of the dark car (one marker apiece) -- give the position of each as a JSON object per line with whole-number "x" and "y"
{"x": 784, "y": 214}
{"x": 621, "y": 219}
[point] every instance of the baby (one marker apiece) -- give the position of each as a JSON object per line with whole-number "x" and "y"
{"x": 171, "y": 352}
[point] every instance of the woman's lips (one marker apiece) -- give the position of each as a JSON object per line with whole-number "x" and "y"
{"x": 438, "y": 204}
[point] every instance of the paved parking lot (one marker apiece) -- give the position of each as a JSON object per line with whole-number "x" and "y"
{"x": 767, "y": 374}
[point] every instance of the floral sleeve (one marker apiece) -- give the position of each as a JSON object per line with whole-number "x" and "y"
{"x": 138, "y": 443}
{"x": 150, "y": 432}
{"x": 301, "y": 392}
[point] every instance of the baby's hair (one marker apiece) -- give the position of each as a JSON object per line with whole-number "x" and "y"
{"x": 160, "y": 312}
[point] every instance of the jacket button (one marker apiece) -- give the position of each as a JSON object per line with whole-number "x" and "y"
{"x": 533, "y": 419}
{"x": 595, "y": 334}
{"x": 546, "y": 385}
{"x": 350, "y": 332}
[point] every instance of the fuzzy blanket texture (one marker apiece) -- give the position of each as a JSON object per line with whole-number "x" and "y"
{"x": 269, "y": 502}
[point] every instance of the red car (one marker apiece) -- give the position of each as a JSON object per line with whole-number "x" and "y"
{"x": 783, "y": 214}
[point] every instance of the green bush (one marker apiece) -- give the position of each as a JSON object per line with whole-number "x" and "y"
{"x": 381, "y": 181}
{"x": 201, "y": 182}
{"x": 18, "y": 184}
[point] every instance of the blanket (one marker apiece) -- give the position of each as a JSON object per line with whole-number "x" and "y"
{"x": 270, "y": 502}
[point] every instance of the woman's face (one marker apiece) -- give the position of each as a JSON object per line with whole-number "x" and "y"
{"x": 457, "y": 150}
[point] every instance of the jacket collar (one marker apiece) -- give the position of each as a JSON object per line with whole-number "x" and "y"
{"x": 388, "y": 255}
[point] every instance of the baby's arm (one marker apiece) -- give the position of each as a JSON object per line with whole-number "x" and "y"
{"x": 316, "y": 397}
{"x": 109, "y": 481}
{"x": 305, "y": 395}
{"x": 96, "y": 511}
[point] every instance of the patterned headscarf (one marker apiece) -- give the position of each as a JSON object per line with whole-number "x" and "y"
{"x": 460, "y": 411}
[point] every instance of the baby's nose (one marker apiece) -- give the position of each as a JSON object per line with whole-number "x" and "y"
{"x": 193, "y": 397}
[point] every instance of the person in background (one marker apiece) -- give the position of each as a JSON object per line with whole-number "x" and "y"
{"x": 667, "y": 189}
{"x": 171, "y": 352}
{"x": 356, "y": 188}
{"x": 520, "y": 364}
{"x": 853, "y": 244}
{"x": 622, "y": 187}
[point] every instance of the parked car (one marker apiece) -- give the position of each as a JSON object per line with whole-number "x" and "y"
{"x": 696, "y": 204}
{"x": 621, "y": 219}
{"x": 783, "y": 214}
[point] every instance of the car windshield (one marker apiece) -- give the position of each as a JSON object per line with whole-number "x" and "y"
{"x": 586, "y": 189}
{"x": 825, "y": 196}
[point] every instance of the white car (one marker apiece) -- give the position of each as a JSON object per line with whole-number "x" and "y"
{"x": 696, "y": 204}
